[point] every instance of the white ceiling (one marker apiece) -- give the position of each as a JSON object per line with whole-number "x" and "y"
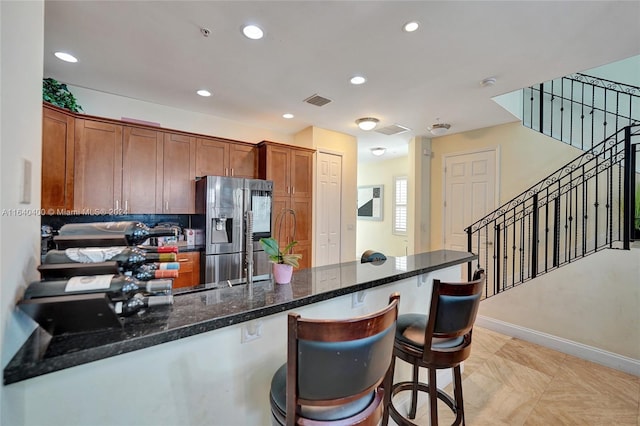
{"x": 155, "y": 51}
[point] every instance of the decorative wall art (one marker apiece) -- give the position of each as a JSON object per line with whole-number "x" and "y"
{"x": 370, "y": 202}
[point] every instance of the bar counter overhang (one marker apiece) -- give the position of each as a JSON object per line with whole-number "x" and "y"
{"x": 204, "y": 310}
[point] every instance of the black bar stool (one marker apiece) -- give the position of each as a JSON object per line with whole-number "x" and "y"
{"x": 441, "y": 339}
{"x": 336, "y": 370}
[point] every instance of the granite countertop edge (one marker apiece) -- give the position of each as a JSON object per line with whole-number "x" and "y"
{"x": 18, "y": 369}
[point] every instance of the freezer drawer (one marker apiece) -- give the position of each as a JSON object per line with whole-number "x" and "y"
{"x": 225, "y": 269}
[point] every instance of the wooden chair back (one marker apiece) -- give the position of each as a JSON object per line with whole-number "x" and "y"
{"x": 452, "y": 314}
{"x": 335, "y": 362}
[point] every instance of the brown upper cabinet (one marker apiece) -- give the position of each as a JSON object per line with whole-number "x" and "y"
{"x": 142, "y": 170}
{"x": 179, "y": 187}
{"x": 98, "y": 167}
{"x": 218, "y": 157}
{"x": 121, "y": 169}
{"x": 58, "y": 130}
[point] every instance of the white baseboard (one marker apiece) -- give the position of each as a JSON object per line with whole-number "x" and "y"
{"x": 579, "y": 350}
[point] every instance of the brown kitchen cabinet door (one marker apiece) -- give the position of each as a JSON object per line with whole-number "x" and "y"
{"x": 301, "y": 173}
{"x": 142, "y": 170}
{"x": 189, "y": 272}
{"x": 98, "y": 167}
{"x": 291, "y": 170}
{"x": 212, "y": 157}
{"x": 305, "y": 251}
{"x": 57, "y": 161}
{"x": 279, "y": 170}
{"x": 179, "y": 157}
{"x": 280, "y": 229}
{"x": 242, "y": 160}
{"x": 303, "y": 232}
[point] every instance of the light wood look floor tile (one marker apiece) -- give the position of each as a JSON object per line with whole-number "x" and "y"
{"x": 511, "y": 382}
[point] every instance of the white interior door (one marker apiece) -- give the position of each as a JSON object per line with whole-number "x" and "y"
{"x": 328, "y": 209}
{"x": 470, "y": 193}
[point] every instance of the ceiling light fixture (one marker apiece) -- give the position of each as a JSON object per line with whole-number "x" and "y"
{"x": 253, "y": 32}
{"x": 287, "y": 115}
{"x": 439, "y": 129}
{"x": 358, "y": 79}
{"x": 411, "y": 26}
{"x": 66, "y": 57}
{"x": 367, "y": 123}
{"x": 378, "y": 151}
{"x": 203, "y": 92}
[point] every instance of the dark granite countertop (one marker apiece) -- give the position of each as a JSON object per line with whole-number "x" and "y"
{"x": 202, "y": 310}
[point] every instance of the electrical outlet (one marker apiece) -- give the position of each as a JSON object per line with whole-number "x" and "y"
{"x": 357, "y": 299}
{"x": 422, "y": 279}
{"x": 251, "y": 331}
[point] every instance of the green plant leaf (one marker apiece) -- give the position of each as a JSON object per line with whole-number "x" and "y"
{"x": 58, "y": 94}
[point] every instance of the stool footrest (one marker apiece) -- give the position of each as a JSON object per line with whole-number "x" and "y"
{"x": 422, "y": 387}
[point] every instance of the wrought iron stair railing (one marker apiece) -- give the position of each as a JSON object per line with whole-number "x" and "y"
{"x": 583, "y": 207}
{"x": 579, "y": 109}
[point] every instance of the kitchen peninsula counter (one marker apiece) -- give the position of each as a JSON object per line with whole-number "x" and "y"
{"x": 204, "y": 309}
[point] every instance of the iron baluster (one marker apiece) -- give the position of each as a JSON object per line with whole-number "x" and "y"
{"x": 470, "y": 250}
{"x": 628, "y": 172}
{"x": 534, "y": 245}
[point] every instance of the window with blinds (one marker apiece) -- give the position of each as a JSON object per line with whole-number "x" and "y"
{"x": 400, "y": 205}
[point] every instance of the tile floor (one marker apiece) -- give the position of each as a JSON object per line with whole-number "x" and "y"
{"x": 511, "y": 382}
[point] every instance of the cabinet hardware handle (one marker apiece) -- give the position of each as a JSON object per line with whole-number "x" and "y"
{"x": 166, "y": 206}
{"x": 117, "y": 204}
{"x": 226, "y": 171}
{"x": 288, "y": 190}
{"x": 183, "y": 260}
{"x": 126, "y": 205}
{"x": 232, "y": 171}
{"x": 293, "y": 190}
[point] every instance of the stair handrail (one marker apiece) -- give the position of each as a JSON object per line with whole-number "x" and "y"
{"x": 554, "y": 177}
{"x": 628, "y": 89}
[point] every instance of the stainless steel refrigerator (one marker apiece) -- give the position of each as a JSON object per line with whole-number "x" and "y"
{"x": 224, "y": 207}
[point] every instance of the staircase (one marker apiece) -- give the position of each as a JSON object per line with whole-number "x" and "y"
{"x": 583, "y": 207}
{"x": 580, "y": 110}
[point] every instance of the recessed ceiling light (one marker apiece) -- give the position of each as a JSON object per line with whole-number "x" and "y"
{"x": 411, "y": 26}
{"x": 66, "y": 57}
{"x": 203, "y": 92}
{"x": 358, "y": 79}
{"x": 253, "y": 32}
{"x": 287, "y": 115}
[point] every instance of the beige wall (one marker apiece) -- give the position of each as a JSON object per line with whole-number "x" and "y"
{"x": 21, "y": 35}
{"x": 525, "y": 157}
{"x": 116, "y": 107}
{"x": 378, "y": 235}
{"x": 594, "y": 301}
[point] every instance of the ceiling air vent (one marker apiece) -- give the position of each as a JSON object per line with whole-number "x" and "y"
{"x": 317, "y": 100}
{"x": 393, "y": 129}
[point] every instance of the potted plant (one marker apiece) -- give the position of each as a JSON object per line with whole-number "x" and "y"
{"x": 283, "y": 260}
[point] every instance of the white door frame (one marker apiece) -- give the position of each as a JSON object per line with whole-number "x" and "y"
{"x": 496, "y": 153}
